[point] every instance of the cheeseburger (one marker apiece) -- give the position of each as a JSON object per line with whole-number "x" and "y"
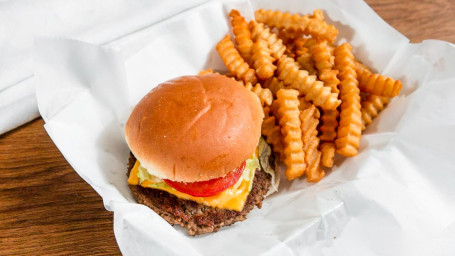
{"x": 197, "y": 157}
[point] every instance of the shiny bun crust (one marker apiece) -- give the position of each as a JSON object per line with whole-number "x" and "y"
{"x": 195, "y": 128}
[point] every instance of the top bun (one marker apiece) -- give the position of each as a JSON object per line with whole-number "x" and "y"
{"x": 195, "y": 128}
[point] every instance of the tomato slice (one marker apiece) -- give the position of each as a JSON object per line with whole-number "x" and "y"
{"x": 209, "y": 187}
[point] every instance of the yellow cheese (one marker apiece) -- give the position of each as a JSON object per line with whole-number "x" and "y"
{"x": 134, "y": 179}
{"x": 232, "y": 198}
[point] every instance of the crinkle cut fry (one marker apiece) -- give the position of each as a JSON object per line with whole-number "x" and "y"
{"x": 318, "y": 14}
{"x": 314, "y": 26}
{"x": 303, "y": 44}
{"x": 309, "y": 122}
{"x": 278, "y": 19}
{"x": 242, "y": 35}
{"x": 329, "y": 125}
{"x": 264, "y": 95}
{"x": 330, "y": 79}
{"x": 234, "y": 62}
{"x": 274, "y": 84}
{"x": 320, "y": 29}
{"x": 324, "y": 59}
{"x": 289, "y": 120}
{"x": 322, "y": 56}
{"x": 327, "y": 153}
{"x": 259, "y": 31}
{"x": 307, "y": 85}
{"x": 272, "y": 132}
{"x": 371, "y": 107}
{"x": 350, "y": 125}
{"x": 262, "y": 59}
{"x": 306, "y": 62}
{"x": 205, "y": 71}
{"x": 288, "y": 36}
{"x": 304, "y": 104}
{"x": 377, "y": 84}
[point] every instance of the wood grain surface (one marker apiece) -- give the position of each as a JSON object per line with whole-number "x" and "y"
{"x": 47, "y": 209}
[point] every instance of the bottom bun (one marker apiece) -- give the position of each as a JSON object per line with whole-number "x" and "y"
{"x": 197, "y": 218}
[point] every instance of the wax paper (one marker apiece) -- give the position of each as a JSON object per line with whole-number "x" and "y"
{"x": 397, "y": 197}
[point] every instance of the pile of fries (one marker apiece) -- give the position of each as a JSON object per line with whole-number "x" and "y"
{"x": 317, "y": 97}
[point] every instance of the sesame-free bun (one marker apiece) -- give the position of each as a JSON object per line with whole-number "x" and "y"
{"x": 195, "y": 128}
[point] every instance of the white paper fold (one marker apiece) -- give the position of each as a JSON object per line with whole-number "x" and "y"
{"x": 96, "y": 21}
{"x": 395, "y": 198}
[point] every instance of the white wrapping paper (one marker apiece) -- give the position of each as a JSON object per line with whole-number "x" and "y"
{"x": 397, "y": 197}
{"x": 95, "y": 21}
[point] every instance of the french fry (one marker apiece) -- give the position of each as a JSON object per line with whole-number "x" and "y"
{"x": 328, "y": 153}
{"x": 242, "y": 35}
{"x": 205, "y": 72}
{"x": 289, "y": 50}
{"x": 371, "y": 107}
{"x": 309, "y": 122}
{"x": 274, "y": 84}
{"x": 329, "y": 125}
{"x": 307, "y": 85}
{"x": 299, "y": 69}
{"x": 264, "y": 95}
{"x": 304, "y": 104}
{"x": 262, "y": 59}
{"x": 330, "y": 79}
{"x": 304, "y": 44}
{"x": 272, "y": 132}
{"x": 314, "y": 26}
{"x": 280, "y": 20}
{"x": 288, "y": 35}
{"x": 320, "y": 29}
{"x": 288, "y": 118}
{"x": 350, "y": 126}
{"x": 288, "y": 38}
{"x": 259, "y": 31}
{"x": 317, "y": 14}
{"x": 234, "y": 62}
{"x": 379, "y": 85}
{"x": 323, "y": 56}
{"x": 360, "y": 67}
{"x": 305, "y": 61}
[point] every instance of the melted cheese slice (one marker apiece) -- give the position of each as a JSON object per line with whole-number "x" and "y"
{"x": 232, "y": 198}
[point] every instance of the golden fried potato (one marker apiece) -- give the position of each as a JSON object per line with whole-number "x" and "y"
{"x": 301, "y": 73}
{"x": 328, "y": 153}
{"x": 272, "y": 132}
{"x": 305, "y": 61}
{"x": 205, "y": 72}
{"x": 310, "y": 25}
{"x": 242, "y": 35}
{"x": 371, "y": 107}
{"x": 288, "y": 118}
{"x": 307, "y": 85}
{"x": 330, "y": 79}
{"x": 304, "y": 44}
{"x": 309, "y": 122}
{"x": 264, "y": 95}
{"x": 304, "y": 104}
{"x": 259, "y": 31}
{"x": 379, "y": 85}
{"x": 274, "y": 84}
{"x": 234, "y": 62}
{"x": 278, "y": 19}
{"x": 323, "y": 56}
{"x": 328, "y": 128}
{"x": 350, "y": 126}
{"x": 262, "y": 59}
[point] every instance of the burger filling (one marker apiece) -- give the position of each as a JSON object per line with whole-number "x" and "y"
{"x": 235, "y": 186}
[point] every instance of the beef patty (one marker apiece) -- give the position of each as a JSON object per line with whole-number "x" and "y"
{"x": 197, "y": 218}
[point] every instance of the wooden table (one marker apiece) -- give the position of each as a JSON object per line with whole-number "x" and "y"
{"x": 46, "y": 208}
